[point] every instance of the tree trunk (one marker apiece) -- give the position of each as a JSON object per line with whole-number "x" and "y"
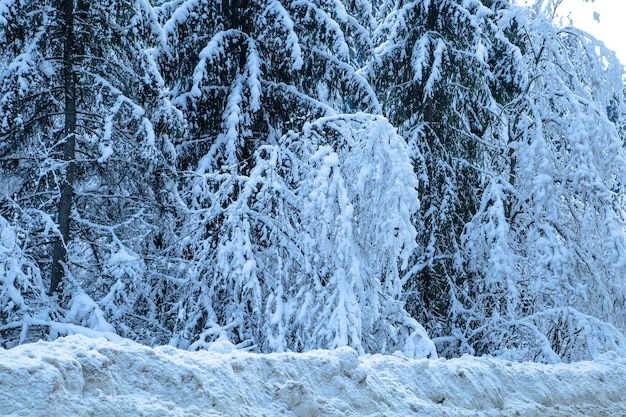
{"x": 59, "y": 256}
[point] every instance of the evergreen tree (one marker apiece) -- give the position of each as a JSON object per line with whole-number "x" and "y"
{"x": 433, "y": 76}
{"x": 259, "y": 70}
{"x": 84, "y": 120}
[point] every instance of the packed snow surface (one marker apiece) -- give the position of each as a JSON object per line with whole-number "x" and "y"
{"x": 79, "y": 376}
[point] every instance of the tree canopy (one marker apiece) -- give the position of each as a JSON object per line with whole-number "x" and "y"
{"x": 432, "y": 177}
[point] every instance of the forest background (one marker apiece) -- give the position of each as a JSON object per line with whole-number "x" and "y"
{"x": 438, "y": 177}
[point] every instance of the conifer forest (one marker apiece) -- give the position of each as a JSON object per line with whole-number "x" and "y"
{"x": 436, "y": 177}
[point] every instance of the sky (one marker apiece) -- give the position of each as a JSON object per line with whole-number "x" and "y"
{"x": 602, "y": 18}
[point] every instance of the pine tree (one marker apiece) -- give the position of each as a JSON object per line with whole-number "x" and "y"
{"x": 85, "y": 121}
{"x": 433, "y": 76}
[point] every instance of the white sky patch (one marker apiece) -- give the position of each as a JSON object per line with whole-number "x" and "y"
{"x": 604, "y": 19}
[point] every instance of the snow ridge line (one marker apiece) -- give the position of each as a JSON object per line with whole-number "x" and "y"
{"x": 78, "y": 376}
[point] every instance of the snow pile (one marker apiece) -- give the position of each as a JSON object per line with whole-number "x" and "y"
{"x": 78, "y": 376}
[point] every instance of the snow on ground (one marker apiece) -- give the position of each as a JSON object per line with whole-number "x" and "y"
{"x": 78, "y": 376}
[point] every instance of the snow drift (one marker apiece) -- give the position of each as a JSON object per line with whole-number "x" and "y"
{"x": 78, "y": 376}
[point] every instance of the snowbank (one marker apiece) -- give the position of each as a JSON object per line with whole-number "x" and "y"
{"x": 78, "y": 376}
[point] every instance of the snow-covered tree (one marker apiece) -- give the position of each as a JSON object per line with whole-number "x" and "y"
{"x": 548, "y": 239}
{"x": 433, "y": 77}
{"x": 247, "y": 73}
{"x": 85, "y": 145}
{"x": 257, "y": 67}
{"x": 357, "y": 193}
{"x": 22, "y": 295}
{"x": 310, "y": 251}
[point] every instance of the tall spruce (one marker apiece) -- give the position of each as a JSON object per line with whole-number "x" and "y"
{"x": 81, "y": 102}
{"x": 433, "y": 77}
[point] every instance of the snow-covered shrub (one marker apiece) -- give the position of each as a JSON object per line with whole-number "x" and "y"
{"x": 23, "y": 301}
